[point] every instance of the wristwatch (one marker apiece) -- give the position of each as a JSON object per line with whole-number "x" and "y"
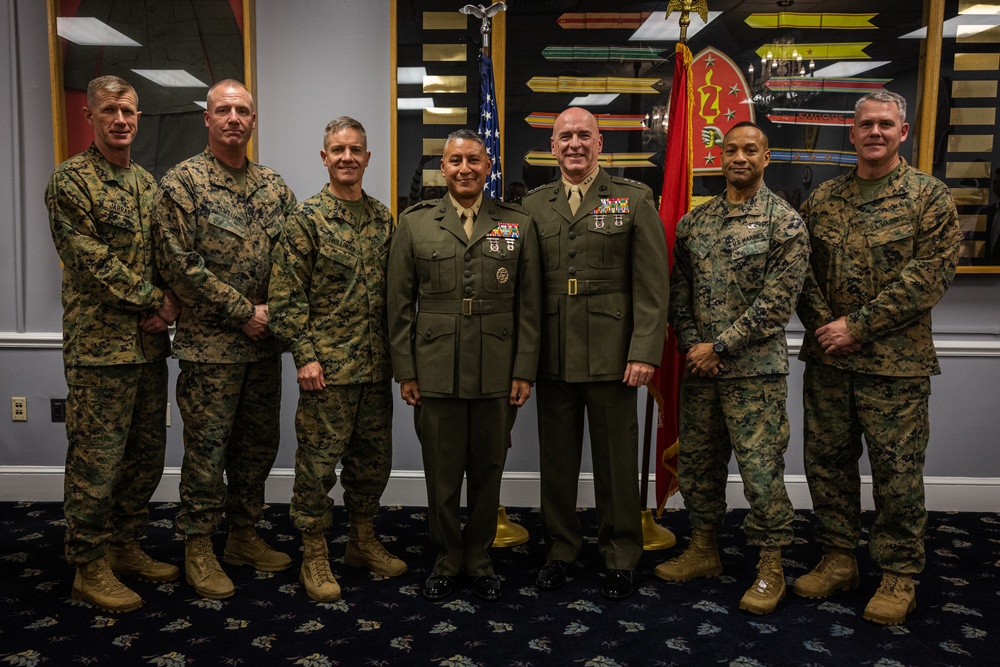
{"x": 720, "y": 348}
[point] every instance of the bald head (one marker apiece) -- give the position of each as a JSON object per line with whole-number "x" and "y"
{"x": 576, "y": 143}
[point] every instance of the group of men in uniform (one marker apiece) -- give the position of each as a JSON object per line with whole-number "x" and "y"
{"x": 468, "y": 303}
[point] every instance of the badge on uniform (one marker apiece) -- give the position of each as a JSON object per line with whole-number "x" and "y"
{"x": 616, "y": 206}
{"x": 508, "y": 231}
{"x": 502, "y": 275}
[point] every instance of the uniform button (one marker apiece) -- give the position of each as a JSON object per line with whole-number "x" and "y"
{"x": 467, "y": 273}
{"x": 572, "y": 253}
{"x": 503, "y": 255}
{"x": 468, "y": 290}
{"x": 434, "y": 254}
{"x": 572, "y": 235}
{"x": 618, "y": 313}
{"x": 571, "y": 270}
{"x": 467, "y": 257}
{"x": 428, "y": 334}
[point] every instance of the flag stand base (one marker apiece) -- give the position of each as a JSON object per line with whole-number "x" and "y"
{"x": 655, "y": 536}
{"x": 508, "y": 534}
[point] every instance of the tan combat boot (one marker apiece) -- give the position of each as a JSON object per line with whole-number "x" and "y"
{"x": 700, "y": 559}
{"x": 130, "y": 560}
{"x": 836, "y": 571}
{"x": 245, "y": 547}
{"x": 769, "y": 589}
{"x": 894, "y": 599}
{"x": 202, "y": 569}
{"x": 364, "y": 550}
{"x": 96, "y": 583}
{"x": 315, "y": 574}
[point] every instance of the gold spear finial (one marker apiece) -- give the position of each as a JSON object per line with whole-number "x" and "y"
{"x": 685, "y": 7}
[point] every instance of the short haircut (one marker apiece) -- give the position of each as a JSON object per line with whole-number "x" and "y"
{"x": 747, "y": 123}
{"x": 108, "y": 83}
{"x": 466, "y": 134}
{"x": 345, "y": 123}
{"x": 886, "y": 96}
{"x": 229, "y": 83}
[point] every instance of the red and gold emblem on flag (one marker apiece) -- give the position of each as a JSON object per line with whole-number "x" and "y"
{"x": 721, "y": 99}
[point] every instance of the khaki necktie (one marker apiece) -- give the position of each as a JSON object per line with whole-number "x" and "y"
{"x": 574, "y": 198}
{"x": 467, "y": 222}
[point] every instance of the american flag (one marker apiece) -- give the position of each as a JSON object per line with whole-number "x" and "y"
{"x": 489, "y": 126}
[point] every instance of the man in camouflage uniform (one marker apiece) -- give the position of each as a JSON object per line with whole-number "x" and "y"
{"x": 217, "y": 217}
{"x": 327, "y": 304}
{"x": 115, "y": 317}
{"x": 739, "y": 263}
{"x": 885, "y": 241}
{"x": 464, "y": 297}
{"x": 606, "y": 291}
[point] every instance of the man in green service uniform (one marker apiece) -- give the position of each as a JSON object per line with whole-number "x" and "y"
{"x": 885, "y": 241}
{"x": 217, "y": 217}
{"x": 739, "y": 263}
{"x": 464, "y": 296}
{"x": 606, "y": 290}
{"x": 327, "y": 305}
{"x": 115, "y": 347}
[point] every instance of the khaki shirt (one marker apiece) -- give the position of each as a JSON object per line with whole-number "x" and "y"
{"x": 214, "y": 243}
{"x": 327, "y": 292}
{"x": 101, "y": 230}
{"x": 737, "y": 276}
{"x": 884, "y": 263}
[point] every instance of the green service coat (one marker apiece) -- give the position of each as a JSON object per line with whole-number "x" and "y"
{"x": 616, "y": 263}
{"x": 464, "y": 313}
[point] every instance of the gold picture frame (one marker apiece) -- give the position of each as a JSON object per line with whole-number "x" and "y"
{"x": 235, "y": 50}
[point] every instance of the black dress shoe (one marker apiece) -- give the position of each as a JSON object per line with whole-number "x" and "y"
{"x": 487, "y": 587}
{"x": 438, "y": 586}
{"x": 618, "y": 584}
{"x": 552, "y": 575}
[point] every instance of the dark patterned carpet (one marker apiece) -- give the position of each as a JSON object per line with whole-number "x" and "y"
{"x": 270, "y": 621}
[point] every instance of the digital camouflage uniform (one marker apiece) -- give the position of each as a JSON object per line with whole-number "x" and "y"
{"x": 116, "y": 373}
{"x": 882, "y": 263}
{"x": 214, "y": 246}
{"x": 605, "y": 294}
{"x": 737, "y": 275}
{"x": 463, "y": 322}
{"x": 327, "y": 304}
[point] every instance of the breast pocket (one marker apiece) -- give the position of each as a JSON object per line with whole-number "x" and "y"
{"x": 499, "y": 265}
{"x": 607, "y": 242}
{"x": 120, "y": 232}
{"x": 221, "y": 242}
{"x": 550, "y": 236}
{"x": 436, "y": 267}
{"x": 749, "y": 260}
{"x": 336, "y": 265}
{"x": 891, "y": 247}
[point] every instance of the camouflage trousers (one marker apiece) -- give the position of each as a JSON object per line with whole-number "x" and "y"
{"x": 747, "y": 416}
{"x": 341, "y": 423}
{"x": 116, "y": 428}
{"x": 891, "y": 413}
{"x": 231, "y": 426}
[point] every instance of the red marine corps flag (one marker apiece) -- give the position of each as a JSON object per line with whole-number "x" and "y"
{"x": 674, "y": 203}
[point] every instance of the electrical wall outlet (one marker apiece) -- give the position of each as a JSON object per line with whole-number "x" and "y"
{"x": 58, "y": 409}
{"x": 18, "y": 408}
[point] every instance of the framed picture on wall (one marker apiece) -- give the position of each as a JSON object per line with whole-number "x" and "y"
{"x": 170, "y": 51}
